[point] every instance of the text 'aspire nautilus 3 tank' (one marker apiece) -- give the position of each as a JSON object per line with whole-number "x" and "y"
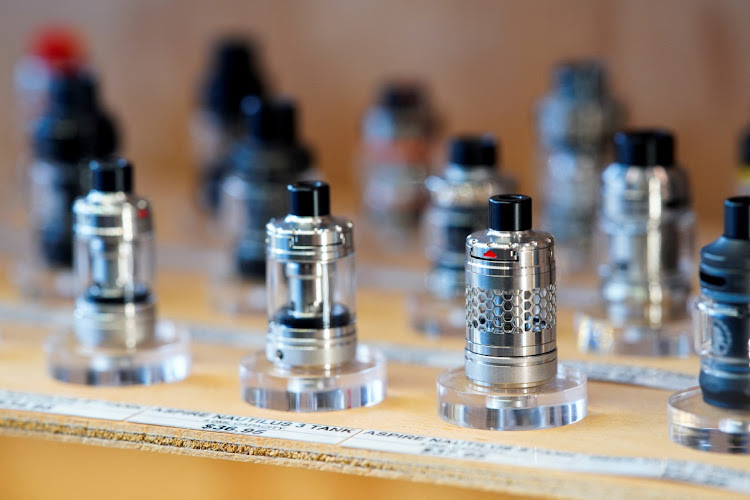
{"x": 575, "y": 123}
{"x": 72, "y": 130}
{"x": 646, "y": 246}
{"x": 511, "y": 379}
{"x": 398, "y": 134}
{"x": 716, "y": 415}
{"x": 116, "y": 338}
{"x": 457, "y": 208}
{"x": 254, "y": 192}
{"x": 312, "y": 361}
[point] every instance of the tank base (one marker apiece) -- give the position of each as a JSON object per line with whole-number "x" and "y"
{"x": 597, "y": 334}
{"x": 359, "y": 383}
{"x": 701, "y": 426}
{"x": 168, "y": 361}
{"x": 562, "y": 401}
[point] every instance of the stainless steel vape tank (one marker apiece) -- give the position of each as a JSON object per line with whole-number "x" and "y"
{"x": 254, "y": 192}
{"x": 457, "y": 208}
{"x": 398, "y": 135}
{"x": 511, "y": 379}
{"x": 116, "y": 338}
{"x": 715, "y": 415}
{"x": 646, "y": 232}
{"x": 575, "y": 123}
{"x": 312, "y": 361}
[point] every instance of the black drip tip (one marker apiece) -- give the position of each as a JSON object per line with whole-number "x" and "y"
{"x": 234, "y": 75}
{"x": 111, "y": 176}
{"x": 737, "y": 218}
{"x": 401, "y": 95}
{"x": 580, "y": 79}
{"x": 645, "y": 148}
{"x": 510, "y": 212}
{"x": 473, "y": 151}
{"x": 271, "y": 122}
{"x": 309, "y": 199}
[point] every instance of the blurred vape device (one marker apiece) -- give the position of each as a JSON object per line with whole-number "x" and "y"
{"x": 218, "y": 123}
{"x": 744, "y": 172}
{"x": 511, "y": 379}
{"x": 646, "y": 231}
{"x": 53, "y": 50}
{"x": 253, "y": 192}
{"x": 73, "y": 129}
{"x": 116, "y": 337}
{"x": 312, "y": 361}
{"x": 457, "y": 208}
{"x": 716, "y": 415}
{"x": 398, "y": 135}
{"x": 575, "y": 123}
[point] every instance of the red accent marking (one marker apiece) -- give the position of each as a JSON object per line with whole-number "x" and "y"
{"x": 490, "y": 254}
{"x": 143, "y": 213}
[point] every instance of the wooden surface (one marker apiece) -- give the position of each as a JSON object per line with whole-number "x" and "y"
{"x": 622, "y": 420}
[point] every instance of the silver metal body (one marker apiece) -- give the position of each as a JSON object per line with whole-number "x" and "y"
{"x": 313, "y": 328}
{"x": 647, "y": 225}
{"x": 510, "y": 308}
{"x": 114, "y": 233}
{"x": 458, "y": 207}
{"x": 575, "y": 123}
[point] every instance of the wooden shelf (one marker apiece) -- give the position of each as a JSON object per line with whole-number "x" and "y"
{"x": 623, "y": 420}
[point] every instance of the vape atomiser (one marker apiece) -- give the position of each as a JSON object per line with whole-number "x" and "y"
{"x": 116, "y": 338}
{"x": 73, "y": 129}
{"x": 312, "y": 361}
{"x": 234, "y": 74}
{"x": 398, "y": 135}
{"x": 646, "y": 227}
{"x": 575, "y": 123}
{"x": 457, "y": 208}
{"x": 511, "y": 379}
{"x": 716, "y": 415}
{"x": 253, "y": 193}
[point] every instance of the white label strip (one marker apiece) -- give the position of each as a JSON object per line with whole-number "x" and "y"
{"x": 644, "y": 376}
{"x": 674, "y": 470}
{"x": 393, "y": 442}
{"x": 75, "y": 407}
{"x": 253, "y": 426}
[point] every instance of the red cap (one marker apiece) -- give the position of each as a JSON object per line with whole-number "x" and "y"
{"x": 60, "y": 47}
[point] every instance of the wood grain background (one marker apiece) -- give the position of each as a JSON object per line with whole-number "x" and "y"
{"x": 683, "y": 64}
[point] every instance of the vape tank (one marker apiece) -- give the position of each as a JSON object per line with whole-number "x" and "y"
{"x": 73, "y": 130}
{"x": 646, "y": 231}
{"x": 716, "y": 415}
{"x": 457, "y": 208}
{"x": 312, "y": 361}
{"x": 218, "y": 123}
{"x": 254, "y": 192}
{"x": 398, "y": 136}
{"x": 511, "y": 380}
{"x": 575, "y": 123}
{"x": 116, "y": 338}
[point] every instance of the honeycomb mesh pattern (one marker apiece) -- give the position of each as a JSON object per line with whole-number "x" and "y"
{"x": 511, "y": 311}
